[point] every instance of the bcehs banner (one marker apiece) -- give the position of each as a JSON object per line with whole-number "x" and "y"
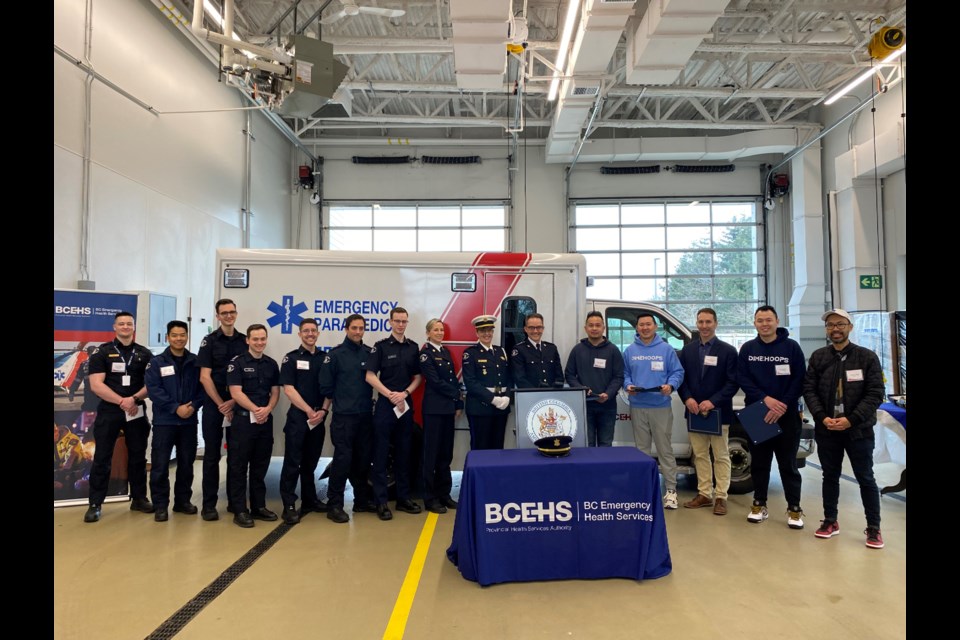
{"x": 82, "y": 321}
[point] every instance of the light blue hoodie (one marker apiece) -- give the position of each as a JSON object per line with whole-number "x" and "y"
{"x": 651, "y": 365}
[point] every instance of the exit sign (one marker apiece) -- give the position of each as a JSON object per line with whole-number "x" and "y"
{"x": 871, "y": 282}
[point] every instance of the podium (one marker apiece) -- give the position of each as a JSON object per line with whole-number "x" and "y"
{"x": 541, "y": 413}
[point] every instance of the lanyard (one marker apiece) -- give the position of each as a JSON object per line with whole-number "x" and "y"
{"x": 126, "y": 363}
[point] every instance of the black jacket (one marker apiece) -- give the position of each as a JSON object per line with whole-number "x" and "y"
{"x": 861, "y": 398}
{"x": 718, "y": 384}
{"x": 343, "y": 377}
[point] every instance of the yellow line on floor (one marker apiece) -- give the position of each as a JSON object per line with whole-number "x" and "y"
{"x": 401, "y": 609}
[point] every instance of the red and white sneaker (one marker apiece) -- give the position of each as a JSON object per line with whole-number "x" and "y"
{"x": 874, "y": 539}
{"x": 828, "y": 529}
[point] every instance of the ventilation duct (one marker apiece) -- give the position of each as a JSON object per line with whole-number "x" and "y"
{"x": 623, "y": 171}
{"x": 700, "y": 168}
{"x": 479, "y": 43}
{"x": 667, "y": 36}
{"x": 381, "y": 159}
{"x": 450, "y": 159}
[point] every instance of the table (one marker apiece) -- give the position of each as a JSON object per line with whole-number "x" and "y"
{"x": 596, "y": 513}
{"x": 890, "y": 434}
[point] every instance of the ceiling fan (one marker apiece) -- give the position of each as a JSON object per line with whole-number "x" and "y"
{"x": 351, "y": 8}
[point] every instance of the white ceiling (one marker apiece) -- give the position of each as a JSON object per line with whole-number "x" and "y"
{"x": 763, "y": 65}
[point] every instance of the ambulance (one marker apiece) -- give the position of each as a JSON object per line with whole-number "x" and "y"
{"x": 280, "y": 287}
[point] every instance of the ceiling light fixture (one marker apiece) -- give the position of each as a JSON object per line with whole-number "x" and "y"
{"x": 564, "y": 45}
{"x": 863, "y": 76}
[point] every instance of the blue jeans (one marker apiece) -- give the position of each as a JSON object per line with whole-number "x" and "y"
{"x": 830, "y": 448}
{"x": 600, "y": 423}
{"x": 165, "y": 438}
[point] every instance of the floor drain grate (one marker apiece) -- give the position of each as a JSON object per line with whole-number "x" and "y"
{"x": 172, "y": 625}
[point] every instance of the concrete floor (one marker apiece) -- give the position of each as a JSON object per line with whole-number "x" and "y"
{"x": 126, "y": 575}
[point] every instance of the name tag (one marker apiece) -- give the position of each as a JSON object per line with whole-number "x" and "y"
{"x": 656, "y": 365}
{"x": 118, "y": 367}
{"x": 167, "y": 371}
{"x": 709, "y": 361}
{"x": 303, "y": 365}
{"x": 599, "y": 363}
{"x": 855, "y": 375}
{"x": 782, "y": 369}
{"x": 249, "y": 370}
{"x": 125, "y": 381}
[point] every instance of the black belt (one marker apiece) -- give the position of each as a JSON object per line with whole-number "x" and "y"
{"x": 242, "y": 412}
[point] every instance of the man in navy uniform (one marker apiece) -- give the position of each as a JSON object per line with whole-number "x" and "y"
{"x": 395, "y": 359}
{"x": 535, "y": 363}
{"x": 216, "y": 352}
{"x": 344, "y": 378}
{"x": 116, "y": 376}
{"x": 487, "y": 378}
{"x": 254, "y": 382}
{"x": 304, "y": 431}
{"x": 173, "y": 381}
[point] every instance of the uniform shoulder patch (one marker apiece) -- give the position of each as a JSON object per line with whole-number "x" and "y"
{"x": 230, "y": 367}
{"x": 515, "y": 352}
{"x": 203, "y": 343}
{"x": 326, "y": 359}
{"x": 286, "y": 359}
{"x": 149, "y": 364}
{"x": 466, "y": 355}
{"x": 373, "y": 349}
{"x": 95, "y": 351}
{"x": 424, "y": 357}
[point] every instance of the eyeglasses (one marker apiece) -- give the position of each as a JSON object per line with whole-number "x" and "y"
{"x": 837, "y": 325}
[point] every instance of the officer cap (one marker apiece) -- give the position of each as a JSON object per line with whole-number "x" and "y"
{"x": 484, "y": 322}
{"x": 554, "y": 446}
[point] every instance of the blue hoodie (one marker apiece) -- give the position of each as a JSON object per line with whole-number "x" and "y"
{"x": 639, "y": 362}
{"x": 771, "y": 369}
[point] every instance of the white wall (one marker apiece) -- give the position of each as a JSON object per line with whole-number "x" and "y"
{"x": 862, "y": 129}
{"x": 165, "y": 191}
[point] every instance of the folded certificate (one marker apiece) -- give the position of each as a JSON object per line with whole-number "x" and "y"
{"x": 709, "y": 424}
{"x": 402, "y": 409}
{"x": 752, "y": 420}
{"x": 138, "y": 414}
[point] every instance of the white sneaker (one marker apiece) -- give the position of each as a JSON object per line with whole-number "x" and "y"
{"x": 670, "y": 500}
{"x": 758, "y": 513}
{"x": 795, "y": 519}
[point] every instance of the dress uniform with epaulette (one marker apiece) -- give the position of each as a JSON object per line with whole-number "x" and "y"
{"x": 487, "y": 377}
{"x": 216, "y": 351}
{"x": 251, "y": 444}
{"x": 124, "y": 367}
{"x": 302, "y": 444}
{"x": 441, "y": 401}
{"x": 536, "y": 366}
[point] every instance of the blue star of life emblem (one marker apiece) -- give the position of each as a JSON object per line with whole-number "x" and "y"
{"x": 286, "y": 314}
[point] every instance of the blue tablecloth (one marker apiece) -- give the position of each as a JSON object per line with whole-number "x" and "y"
{"x": 596, "y": 513}
{"x": 890, "y": 434}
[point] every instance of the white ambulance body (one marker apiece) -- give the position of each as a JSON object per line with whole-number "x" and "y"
{"x": 280, "y": 287}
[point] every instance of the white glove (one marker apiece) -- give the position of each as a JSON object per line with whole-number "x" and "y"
{"x": 501, "y": 402}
